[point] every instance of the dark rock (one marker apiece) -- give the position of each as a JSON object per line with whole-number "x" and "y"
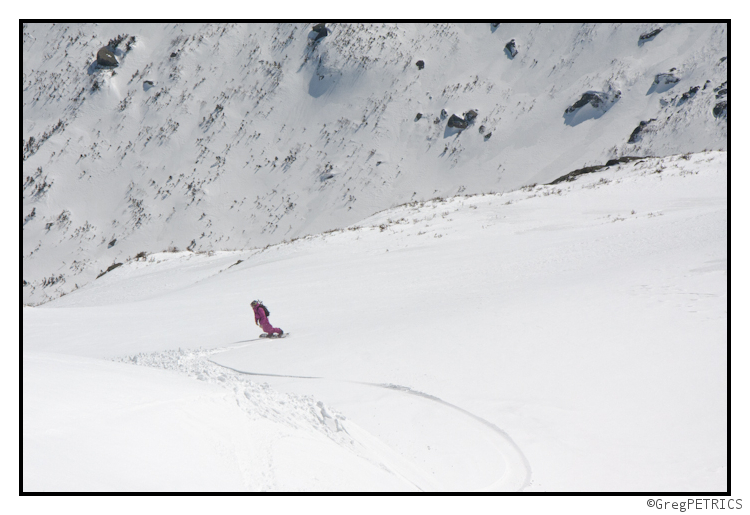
{"x": 623, "y": 159}
{"x": 470, "y": 116}
{"x": 721, "y": 91}
{"x": 112, "y": 267}
{"x": 568, "y": 177}
{"x": 720, "y": 109}
{"x": 420, "y": 64}
{"x": 722, "y": 59}
{"x": 487, "y": 136}
{"x": 510, "y": 47}
{"x": 105, "y": 57}
{"x": 646, "y": 36}
{"x": 635, "y": 137}
{"x": 494, "y": 25}
{"x": 589, "y": 97}
{"x": 173, "y": 55}
{"x": 112, "y": 243}
{"x": 666, "y": 78}
{"x": 481, "y": 129}
{"x": 443, "y": 113}
{"x": 457, "y": 122}
{"x": 689, "y": 94}
{"x": 25, "y": 284}
{"x": 320, "y": 31}
{"x": 419, "y": 116}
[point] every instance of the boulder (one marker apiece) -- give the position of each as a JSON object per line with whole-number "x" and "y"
{"x": 665, "y": 78}
{"x": 419, "y": 115}
{"x": 590, "y": 97}
{"x": 721, "y": 91}
{"x": 105, "y": 57}
{"x": 457, "y": 122}
{"x": 443, "y": 113}
{"x": 720, "y": 109}
{"x": 487, "y": 136}
{"x": 510, "y": 47}
{"x": 470, "y": 115}
{"x": 647, "y": 36}
{"x": 636, "y": 135}
{"x": 319, "y": 31}
{"x": 689, "y": 94}
{"x": 420, "y": 64}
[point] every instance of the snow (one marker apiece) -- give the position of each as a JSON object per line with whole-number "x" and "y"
{"x": 553, "y": 338}
{"x": 456, "y": 324}
{"x": 229, "y": 148}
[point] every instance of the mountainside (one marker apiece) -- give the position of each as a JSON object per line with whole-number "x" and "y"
{"x": 217, "y": 137}
{"x": 557, "y": 338}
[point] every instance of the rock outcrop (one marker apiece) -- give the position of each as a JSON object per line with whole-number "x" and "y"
{"x": 105, "y": 57}
{"x": 510, "y": 48}
{"x": 457, "y": 122}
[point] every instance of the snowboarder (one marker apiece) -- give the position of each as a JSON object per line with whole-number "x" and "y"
{"x": 261, "y": 318}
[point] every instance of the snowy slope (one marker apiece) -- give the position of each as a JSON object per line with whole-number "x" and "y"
{"x": 253, "y": 134}
{"x": 569, "y": 337}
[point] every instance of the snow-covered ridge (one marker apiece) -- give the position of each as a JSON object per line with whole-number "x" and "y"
{"x": 231, "y": 137}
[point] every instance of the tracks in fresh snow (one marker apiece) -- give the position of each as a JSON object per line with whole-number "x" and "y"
{"x": 303, "y": 411}
{"x": 517, "y": 474}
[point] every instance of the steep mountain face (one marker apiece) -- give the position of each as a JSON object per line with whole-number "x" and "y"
{"x": 209, "y": 137}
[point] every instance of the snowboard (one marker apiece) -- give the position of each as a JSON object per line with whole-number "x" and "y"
{"x": 273, "y": 336}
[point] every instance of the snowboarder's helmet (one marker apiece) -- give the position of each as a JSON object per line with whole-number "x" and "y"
{"x": 254, "y": 303}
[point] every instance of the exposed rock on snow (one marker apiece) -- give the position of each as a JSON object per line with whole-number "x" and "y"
{"x": 510, "y": 49}
{"x": 112, "y": 267}
{"x": 648, "y": 36}
{"x": 105, "y": 57}
{"x": 636, "y": 135}
{"x": 688, "y": 94}
{"x": 720, "y": 109}
{"x": 663, "y": 82}
{"x": 420, "y": 64}
{"x": 568, "y": 177}
{"x": 263, "y": 147}
{"x": 594, "y": 98}
{"x": 591, "y": 105}
{"x": 319, "y": 31}
{"x": 457, "y": 122}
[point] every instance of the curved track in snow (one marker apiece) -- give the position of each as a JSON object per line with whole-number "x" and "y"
{"x": 517, "y": 474}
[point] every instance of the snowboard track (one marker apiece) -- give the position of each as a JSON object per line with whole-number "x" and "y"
{"x": 514, "y": 458}
{"x": 520, "y": 458}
